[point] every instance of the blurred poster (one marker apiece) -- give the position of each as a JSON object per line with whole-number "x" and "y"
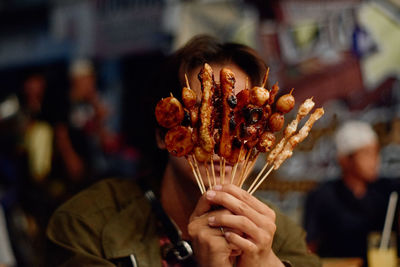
{"x": 311, "y": 29}
{"x": 73, "y": 22}
{"x": 385, "y": 30}
{"x": 128, "y": 26}
{"x": 109, "y": 28}
{"x": 227, "y": 20}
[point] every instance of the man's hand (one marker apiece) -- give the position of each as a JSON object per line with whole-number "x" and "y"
{"x": 210, "y": 247}
{"x": 249, "y": 216}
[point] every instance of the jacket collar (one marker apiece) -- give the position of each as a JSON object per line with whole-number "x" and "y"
{"x": 133, "y": 231}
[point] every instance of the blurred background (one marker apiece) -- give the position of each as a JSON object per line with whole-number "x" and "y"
{"x": 75, "y": 77}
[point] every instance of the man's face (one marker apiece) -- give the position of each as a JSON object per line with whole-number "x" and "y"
{"x": 34, "y": 88}
{"x": 84, "y": 86}
{"x": 365, "y": 162}
{"x": 180, "y": 165}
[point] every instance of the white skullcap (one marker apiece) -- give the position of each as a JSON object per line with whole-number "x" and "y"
{"x": 354, "y": 135}
{"x": 81, "y": 67}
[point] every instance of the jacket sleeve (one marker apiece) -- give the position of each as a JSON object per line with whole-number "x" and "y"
{"x": 72, "y": 242}
{"x": 290, "y": 245}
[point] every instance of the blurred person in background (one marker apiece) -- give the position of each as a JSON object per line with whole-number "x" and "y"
{"x": 113, "y": 224}
{"x": 25, "y": 163}
{"x": 37, "y": 153}
{"x": 9, "y": 175}
{"x": 33, "y": 92}
{"x": 36, "y": 129}
{"x": 81, "y": 133}
{"x": 340, "y": 213}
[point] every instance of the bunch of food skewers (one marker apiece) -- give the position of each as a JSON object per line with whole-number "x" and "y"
{"x": 235, "y": 127}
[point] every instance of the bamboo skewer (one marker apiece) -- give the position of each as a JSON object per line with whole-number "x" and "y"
{"x": 246, "y": 172}
{"x": 195, "y": 175}
{"x": 220, "y": 171}
{"x": 262, "y": 180}
{"x": 199, "y": 174}
{"x": 243, "y": 166}
{"x": 234, "y": 173}
{"x": 213, "y": 171}
{"x": 258, "y": 177}
{"x": 223, "y": 170}
{"x": 236, "y": 166}
{"x": 265, "y": 78}
{"x": 187, "y": 81}
{"x": 249, "y": 169}
{"x": 251, "y": 166}
{"x": 243, "y": 173}
{"x": 208, "y": 175}
{"x": 243, "y": 170}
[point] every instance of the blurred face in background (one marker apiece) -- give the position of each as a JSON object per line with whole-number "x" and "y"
{"x": 363, "y": 163}
{"x": 83, "y": 86}
{"x": 34, "y": 88}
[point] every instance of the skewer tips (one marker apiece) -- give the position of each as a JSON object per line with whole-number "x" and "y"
{"x": 187, "y": 81}
{"x": 265, "y": 78}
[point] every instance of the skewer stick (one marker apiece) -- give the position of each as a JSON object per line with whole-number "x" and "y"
{"x": 234, "y": 173}
{"x": 243, "y": 169}
{"x": 187, "y": 81}
{"x": 262, "y": 180}
{"x": 291, "y": 129}
{"x": 208, "y": 174}
{"x": 235, "y": 167}
{"x": 251, "y": 165}
{"x": 258, "y": 177}
{"x": 220, "y": 171}
{"x": 223, "y": 170}
{"x": 195, "y": 175}
{"x": 213, "y": 171}
{"x": 246, "y": 161}
{"x": 265, "y": 78}
{"x": 249, "y": 169}
{"x": 297, "y": 138}
{"x": 198, "y": 173}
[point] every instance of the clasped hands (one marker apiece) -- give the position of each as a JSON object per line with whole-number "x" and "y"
{"x": 248, "y": 229}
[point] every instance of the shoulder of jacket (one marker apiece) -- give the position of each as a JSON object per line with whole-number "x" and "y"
{"x": 285, "y": 226}
{"x": 106, "y": 196}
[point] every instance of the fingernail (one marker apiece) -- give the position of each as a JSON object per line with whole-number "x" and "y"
{"x": 211, "y": 220}
{"x": 210, "y": 194}
{"x": 217, "y": 187}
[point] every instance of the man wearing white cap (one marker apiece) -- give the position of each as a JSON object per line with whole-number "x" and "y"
{"x": 340, "y": 213}
{"x": 358, "y": 154}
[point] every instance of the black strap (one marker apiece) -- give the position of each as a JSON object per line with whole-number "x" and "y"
{"x": 168, "y": 226}
{"x": 180, "y": 248}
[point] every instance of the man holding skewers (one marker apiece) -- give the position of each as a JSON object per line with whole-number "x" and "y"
{"x": 113, "y": 223}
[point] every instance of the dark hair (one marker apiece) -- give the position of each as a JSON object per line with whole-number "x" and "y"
{"x": 206, "y": 49}
{"x": 199, "y": 50}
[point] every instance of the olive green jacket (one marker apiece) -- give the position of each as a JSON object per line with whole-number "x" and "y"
{"x": 112, "y": 219}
